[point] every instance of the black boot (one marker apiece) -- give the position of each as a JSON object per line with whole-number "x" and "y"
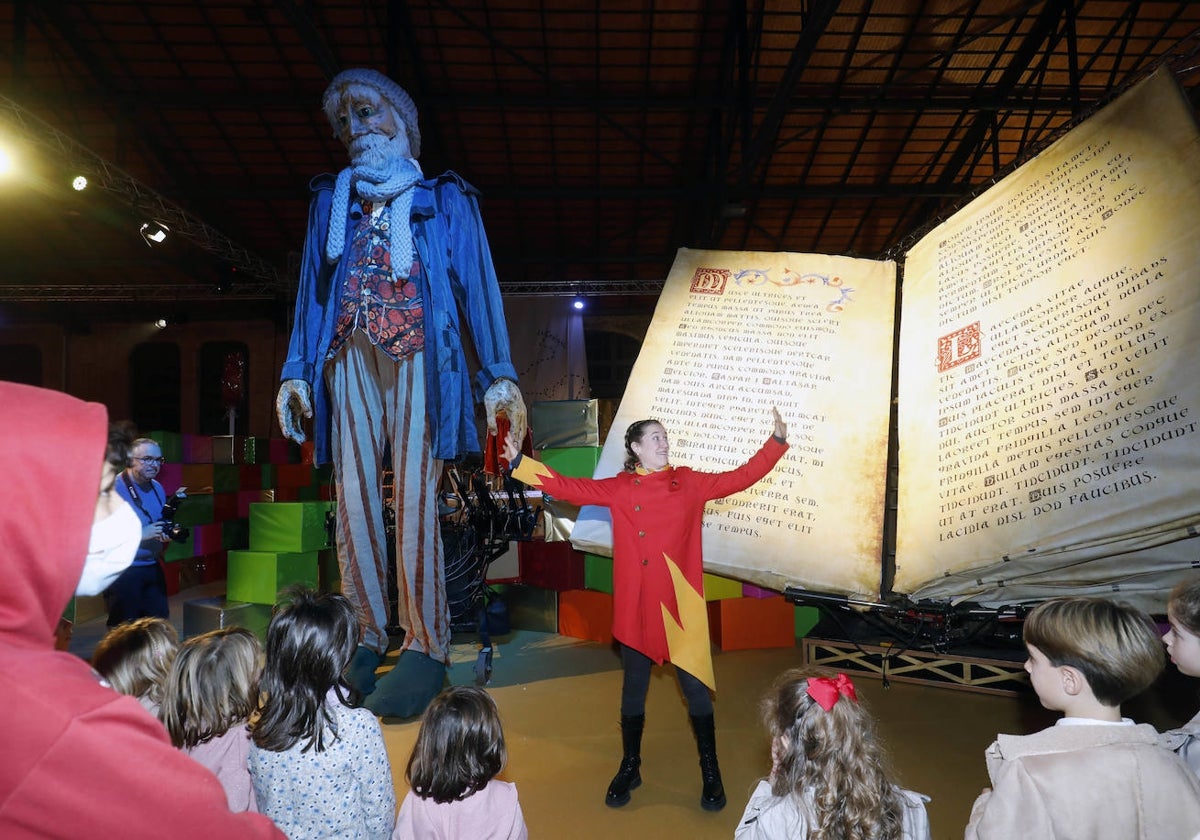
{"x": 712, "y": 797}
{"x": 629, "y": 776}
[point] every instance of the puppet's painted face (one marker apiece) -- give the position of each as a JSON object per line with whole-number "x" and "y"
{"x": 365, "y": 119}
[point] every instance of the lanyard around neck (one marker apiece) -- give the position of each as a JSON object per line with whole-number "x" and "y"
{"x": 136, "y": 498}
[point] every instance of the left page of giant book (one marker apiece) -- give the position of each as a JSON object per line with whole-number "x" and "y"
{"x": 735, "y": 333}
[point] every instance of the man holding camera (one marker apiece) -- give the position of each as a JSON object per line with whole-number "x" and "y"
{"x": 141, "y": 590}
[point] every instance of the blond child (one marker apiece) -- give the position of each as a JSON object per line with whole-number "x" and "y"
{"x": 134, "y": 658}
{"x": 1183, "y": 646}
{"x": 452, "y": 771}
{"x": 830, "y": 777}
{"x": 208, "y": 698}
{"x": 1093, "y": 774}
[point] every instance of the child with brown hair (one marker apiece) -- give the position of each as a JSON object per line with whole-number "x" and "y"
{"x": 1183, "y": 646}
{"x": 829, "y": 774}
{"x": 317, "y": 759}
{"x": 208, "y": 698}
{"x": 452, "y": 770}
{"x": 1093, "y": 774}
{"x": 135, "y": 657}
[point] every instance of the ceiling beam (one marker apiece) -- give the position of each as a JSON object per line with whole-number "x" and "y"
{"x": 150, "y": 292}
{"x": 973, "y": 138}
{"x": 310, "y": 36}
{"x": 765, "y": 138}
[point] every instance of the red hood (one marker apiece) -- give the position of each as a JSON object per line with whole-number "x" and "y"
{"x": 52, "y": 447}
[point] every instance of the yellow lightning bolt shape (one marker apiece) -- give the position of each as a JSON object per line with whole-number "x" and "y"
{"x": 687, "y": 639}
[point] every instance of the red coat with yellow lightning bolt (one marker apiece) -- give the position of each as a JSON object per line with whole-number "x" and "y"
{"x": 658, "y": 585}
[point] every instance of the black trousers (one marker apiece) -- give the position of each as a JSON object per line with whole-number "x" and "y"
{"x": 637, "y": 683}
{"x": 138, "y": 591}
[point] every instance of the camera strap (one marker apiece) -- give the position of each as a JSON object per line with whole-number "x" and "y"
{"x": 136, "y": 498}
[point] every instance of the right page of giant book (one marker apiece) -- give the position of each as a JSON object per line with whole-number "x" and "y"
{"x": 1048, "y": 394}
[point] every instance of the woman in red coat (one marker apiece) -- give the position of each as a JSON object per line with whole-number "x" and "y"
{"x": 659, "y": 612}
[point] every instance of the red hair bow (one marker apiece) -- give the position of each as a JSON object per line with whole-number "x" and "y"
{"x": 826, "y": 691}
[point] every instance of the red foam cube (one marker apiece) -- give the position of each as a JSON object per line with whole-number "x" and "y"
{"x": 551, "y": 565}
{"x": 586, "y": 614}
{"x": 748, "y": 623}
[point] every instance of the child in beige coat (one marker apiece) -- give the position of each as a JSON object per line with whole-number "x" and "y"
{"x": 1094, "y": 774}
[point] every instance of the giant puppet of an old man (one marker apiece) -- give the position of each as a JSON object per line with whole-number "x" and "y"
{"x": 396, "y": 270}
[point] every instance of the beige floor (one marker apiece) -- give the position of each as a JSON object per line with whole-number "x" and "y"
{"x": 560, "y": 721}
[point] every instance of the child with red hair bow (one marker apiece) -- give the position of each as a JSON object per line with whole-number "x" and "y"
{"x": 829, "y": 774}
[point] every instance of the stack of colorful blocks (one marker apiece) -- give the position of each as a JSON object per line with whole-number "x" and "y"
{"x": 256, "y": 511}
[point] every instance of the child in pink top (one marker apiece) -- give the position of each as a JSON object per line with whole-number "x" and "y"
{"x": 452, "y": 770}
{"x": 209, "y": 695}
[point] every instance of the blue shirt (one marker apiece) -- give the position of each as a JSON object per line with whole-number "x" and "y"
{"x": 148, "y": 505}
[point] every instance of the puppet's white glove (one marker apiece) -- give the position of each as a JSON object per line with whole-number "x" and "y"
{"x": 293, "y": 403}
{"x": 503, "y": 395}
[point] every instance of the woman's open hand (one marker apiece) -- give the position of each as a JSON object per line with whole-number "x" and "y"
{"x": 511, "y": 450}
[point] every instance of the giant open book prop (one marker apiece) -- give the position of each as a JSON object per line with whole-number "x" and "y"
{"x": 1046, "y": 385}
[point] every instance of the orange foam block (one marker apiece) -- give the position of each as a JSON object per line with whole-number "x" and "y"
{"x": 197, "y": 478}
{"x": 586, "y": 614}
{"x": 747, "y": 623}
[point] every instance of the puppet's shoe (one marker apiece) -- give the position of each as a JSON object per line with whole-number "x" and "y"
{"x": 360, "y": 673}
{"x": 406, "y": 690}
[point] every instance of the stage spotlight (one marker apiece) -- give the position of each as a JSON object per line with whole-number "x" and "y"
{"x": 578, "y": 304}
{"x": 79, "y": 184}
{"x": 155, "y": 233}
{"x": 161, "y": 323}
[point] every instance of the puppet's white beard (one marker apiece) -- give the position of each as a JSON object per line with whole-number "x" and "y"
{"x": 377, "y": 158}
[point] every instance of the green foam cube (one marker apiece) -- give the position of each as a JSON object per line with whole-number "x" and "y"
{"x": 288, "y": 526}
{"x": 180, "y": 550}
{"x": 572, "y": 461}
{"x": 195, "y": 510}
{"x": 598, "y": 573}
{"x": 257, "y": 576}
{"x": 235, "y": 533}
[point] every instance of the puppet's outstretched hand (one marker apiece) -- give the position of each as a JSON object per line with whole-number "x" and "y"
{"x": 780, "y": 427}
{"x": 293, "y": 403}
{"x": 503, "y": 395}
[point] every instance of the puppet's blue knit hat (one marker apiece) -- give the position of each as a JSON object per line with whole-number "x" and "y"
{"x": 392, "y": 92}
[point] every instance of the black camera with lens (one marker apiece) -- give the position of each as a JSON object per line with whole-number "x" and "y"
{"x": 171, "y": 528}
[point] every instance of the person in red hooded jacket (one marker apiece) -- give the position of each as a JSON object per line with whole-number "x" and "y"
{"x": 80, "y": 760}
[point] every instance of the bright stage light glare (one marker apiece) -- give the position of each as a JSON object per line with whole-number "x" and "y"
{"x": 577, "y": 304}
{"x": 155, "y": 233}
{"x": 79, "y": 183}
{"x": 161, "y": 323}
